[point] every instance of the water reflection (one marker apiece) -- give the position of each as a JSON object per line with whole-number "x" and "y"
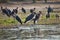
{"x": 32, "y": 32}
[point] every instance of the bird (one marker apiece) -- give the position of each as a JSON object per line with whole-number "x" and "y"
{"x": 16, "y": 10}
{"x": 6, "y": 11}
{"x": 47, "y": 16}
{"x": 3, "y": 10}
{"x": 31, "y": 10}
{"x": 16, "y": 17}
{"x": 37, "y": 17}
{"x": 49, "y": 9}
{"x": 57, "y": 16}
{"x": 9, "y": 13}
{"x": 30, "y": 17}
{"x": 13, "y": 12}
{"x": 23, "y": 10}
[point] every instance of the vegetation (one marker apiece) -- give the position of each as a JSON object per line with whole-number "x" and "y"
{"x": 11, "y": 21}
{"x": 5, "y": 21}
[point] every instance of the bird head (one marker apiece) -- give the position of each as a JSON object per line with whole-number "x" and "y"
{"x": 40, "y": 12}
{"x": 34, "y": 8}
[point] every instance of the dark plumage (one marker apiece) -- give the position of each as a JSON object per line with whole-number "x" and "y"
{"x": 16, "y": 10}
{"x": 37, "y": 17}
{"x": 57, "y": 16}
{"x": 23, "y": 10}
{"x": 6, "y": 11}
{"x": 3, "y": 10}
{"x": 31, "y": 10}
{"x": 49, "y": 9}
{"x": 47, "y": 15}
{"x": 18, "y": 19}
{"x": 29, "y": 17}
{"x": 9, "y": 13}
{"x": 13, "y": 12}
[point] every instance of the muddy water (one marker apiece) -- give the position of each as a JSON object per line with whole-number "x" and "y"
{"x": 32, "y": 32}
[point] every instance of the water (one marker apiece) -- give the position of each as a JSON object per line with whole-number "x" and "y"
{"x": 31, "y": 32}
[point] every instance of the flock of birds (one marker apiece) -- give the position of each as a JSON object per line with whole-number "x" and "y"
{"x": 34, "y": 16}
{"x": 13, "y": 13}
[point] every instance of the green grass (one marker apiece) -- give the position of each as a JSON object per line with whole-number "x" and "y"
{"x": 6, "y": 21}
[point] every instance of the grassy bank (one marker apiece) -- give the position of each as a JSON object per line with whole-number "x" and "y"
{"x": 6, "y": 21}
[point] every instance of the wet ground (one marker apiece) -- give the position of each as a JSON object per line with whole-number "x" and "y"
{"x": 32, "y": 32}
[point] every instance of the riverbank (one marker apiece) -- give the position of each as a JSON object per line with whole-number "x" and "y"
{"x": 11, "y": 22}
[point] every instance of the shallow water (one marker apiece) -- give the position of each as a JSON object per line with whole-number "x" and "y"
{"x": 32, "y": 32}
